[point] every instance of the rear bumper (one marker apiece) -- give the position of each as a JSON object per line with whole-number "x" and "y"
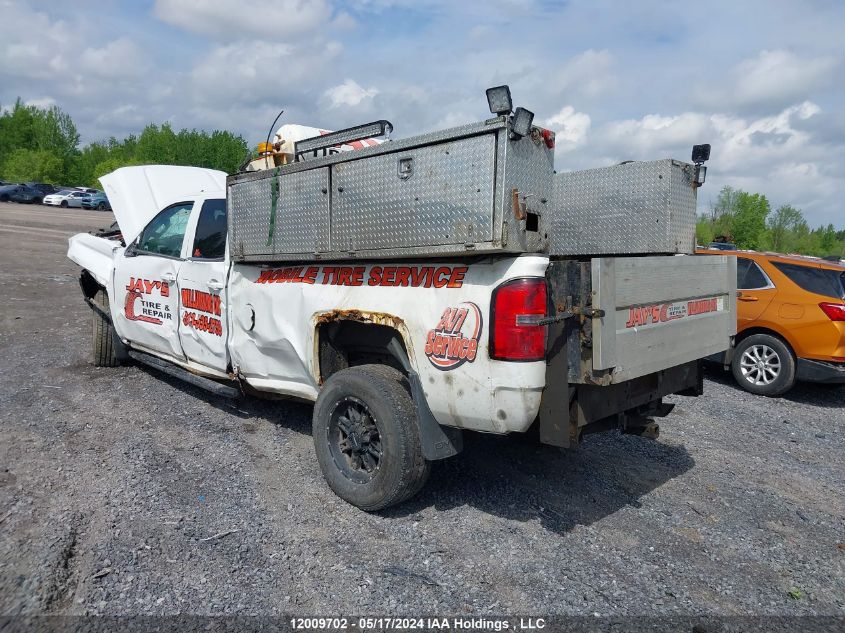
{"x": 820, "y": 371}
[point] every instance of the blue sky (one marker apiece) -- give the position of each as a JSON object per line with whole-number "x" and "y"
{"x": 759, "y": 80}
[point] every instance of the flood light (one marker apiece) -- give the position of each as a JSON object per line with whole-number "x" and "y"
{"x": 499, "y": 100}
{"x": 700, "y": 153}
{"x": 522, "y": 120}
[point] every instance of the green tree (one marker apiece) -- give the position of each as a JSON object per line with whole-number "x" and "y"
{"x": 782, "y": 224}
{"x": 724, "y": 211}
{"x": 33, "y": 165}
{"x": 107, "y": 166}
{"x": 54, "y": 131}
{"x": 827, "y": 240}
{"x": 748, "y": 226}
{"x": 16, "y": 128}
{"x": 704, "y": 232}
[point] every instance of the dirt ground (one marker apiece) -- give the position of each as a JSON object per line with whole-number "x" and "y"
{"x": 125, "y": 492}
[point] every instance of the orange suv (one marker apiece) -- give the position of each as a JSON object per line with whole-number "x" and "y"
{"x": 790, "y": 321}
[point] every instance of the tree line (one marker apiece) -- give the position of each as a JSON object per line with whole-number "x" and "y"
{"x": 42, "y": 145}
{"x": 747, "y": 220}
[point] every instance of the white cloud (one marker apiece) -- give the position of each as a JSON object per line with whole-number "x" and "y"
{"x": 119, "y": 58}
{"x": 773, "y": 78}
{"x": 249, "y": 72}
{"x": 769, "y": 154}
{"x": 590, "y": 73}
{"x": 44, "y": 102}
{"x": 234, "y": 19}
{"x": 570, "y": 128}
{"x": 67, "y": 59}
{"x": 739, "y": 144}
{"x": 349, "y": 94}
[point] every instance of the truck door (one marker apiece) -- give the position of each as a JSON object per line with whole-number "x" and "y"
{"x": 145, "y": 283}
{"x": 202, "y": 289}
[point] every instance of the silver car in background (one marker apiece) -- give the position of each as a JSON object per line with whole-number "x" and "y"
{"x": 66, "y": 198}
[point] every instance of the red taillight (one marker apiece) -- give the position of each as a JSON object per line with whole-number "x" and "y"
{"x": 834, "y": 311}
{"x": 516, "y": 307}
{"x": 549, "y": 137}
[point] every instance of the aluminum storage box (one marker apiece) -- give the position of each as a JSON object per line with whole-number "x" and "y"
{"x": 440, "y": 194}
{"x": 627, "y": 209}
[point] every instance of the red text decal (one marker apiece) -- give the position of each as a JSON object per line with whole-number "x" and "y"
{"x": 403, "y": 276}
{"x": 454, "y": 341}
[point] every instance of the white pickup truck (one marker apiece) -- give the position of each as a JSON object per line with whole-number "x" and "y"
{"x": 400, "y": 355}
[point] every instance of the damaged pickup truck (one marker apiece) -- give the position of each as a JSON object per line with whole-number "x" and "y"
{"x": 415, "y": 290}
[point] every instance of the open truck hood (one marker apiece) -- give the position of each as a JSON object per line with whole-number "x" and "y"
{"x": 137, "y": 194}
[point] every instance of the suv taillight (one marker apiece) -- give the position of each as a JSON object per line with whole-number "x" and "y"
{"x": 516, "y": 307}
{"x": 834, "y": 311}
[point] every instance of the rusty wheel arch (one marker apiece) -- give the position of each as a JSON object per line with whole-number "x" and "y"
{"x": 345, "y": 338}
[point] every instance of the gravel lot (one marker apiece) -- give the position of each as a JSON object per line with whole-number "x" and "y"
{"x": 124, "y": 492}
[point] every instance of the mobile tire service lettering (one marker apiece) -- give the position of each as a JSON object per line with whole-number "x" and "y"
{"x": 140, "y": 291}
{"x": 397, "y": 276}
{"x": 454, "y": 341}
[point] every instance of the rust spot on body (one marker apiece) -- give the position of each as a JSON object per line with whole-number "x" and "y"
{"x": 379, "y": 318}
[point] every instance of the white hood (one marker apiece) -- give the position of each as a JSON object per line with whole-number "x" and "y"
{"x": 137, "y": 194}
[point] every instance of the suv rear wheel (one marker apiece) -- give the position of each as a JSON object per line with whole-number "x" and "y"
{"x": 367, "y": 439}
{"x": 764, "y": 364}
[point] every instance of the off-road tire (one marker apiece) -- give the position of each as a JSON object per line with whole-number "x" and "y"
{"x": 103, "y": 334}
{"x": 785, "y": 379}
{"x": 402, "y": 470}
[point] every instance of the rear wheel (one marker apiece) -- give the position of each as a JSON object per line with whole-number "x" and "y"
{"x": 37, "y": 201}
{"x": 4, "y": 198}
{"x": 103, "y": 334}
{"x": 367, "y": 439}
{"x": 764, "y": 364}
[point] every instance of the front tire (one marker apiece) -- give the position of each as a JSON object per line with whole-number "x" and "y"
{"x": 103, "y": 334}
{"x": 764, "y": 365}
{"x": 101, "y": 206}
{"x": 367, "y": 439}
{"x": 64, "y": 204}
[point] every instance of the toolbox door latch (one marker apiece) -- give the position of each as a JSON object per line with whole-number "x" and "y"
{"x": 406, "y": 167}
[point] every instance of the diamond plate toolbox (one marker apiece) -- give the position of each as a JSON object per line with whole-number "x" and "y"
{"x": 440, "y": 194}
{"x": 631, "y": 208}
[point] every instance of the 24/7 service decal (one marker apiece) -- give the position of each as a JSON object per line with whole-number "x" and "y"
{"x": 454, "y": 341}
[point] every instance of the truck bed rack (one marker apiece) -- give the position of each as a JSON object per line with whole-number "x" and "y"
{"x": 474, "y": 189}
